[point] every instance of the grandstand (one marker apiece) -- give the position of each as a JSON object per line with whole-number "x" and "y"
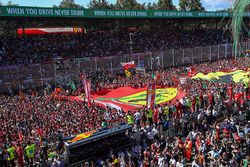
{"x": 65, "y": 99}
{"x": 145, "y": 35}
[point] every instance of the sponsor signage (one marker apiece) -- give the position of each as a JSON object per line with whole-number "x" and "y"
{"x": 21, "y": 11}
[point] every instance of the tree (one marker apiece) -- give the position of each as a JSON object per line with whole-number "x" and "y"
{"x": 100, "y": 4}
{"x": 152, "y": 6}
{"x": 166, "y": 5}
{"x": 10, "y": 3}
{"x": 69, "y": 4}
{"x": 187, "y": 5}
{"x": 183, "y": 5}
{"x": 196, "y": 5}
{"x": 129, "y": 4}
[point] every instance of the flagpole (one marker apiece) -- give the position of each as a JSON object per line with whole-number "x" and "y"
{"x": 151, "y": 65}
{"x": 155, "y": 92}
{"x": 131, "y": 44}
{"x": 111, "y": 67}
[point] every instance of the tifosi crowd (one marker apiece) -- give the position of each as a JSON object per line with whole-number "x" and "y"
{"x": 209, "y": 126}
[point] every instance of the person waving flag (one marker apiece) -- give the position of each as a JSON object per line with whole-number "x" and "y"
{"x": 128, "y": 68}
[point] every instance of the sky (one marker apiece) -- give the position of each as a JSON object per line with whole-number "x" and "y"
{"x": 210, "y": 5}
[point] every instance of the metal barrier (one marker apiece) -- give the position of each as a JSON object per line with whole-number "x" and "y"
{"x": 36, "y": 75}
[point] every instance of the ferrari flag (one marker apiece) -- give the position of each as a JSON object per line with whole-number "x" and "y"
{"x": 82, "y": 136}
{"x": 151, "y": 96}
{"x": 128, "y": 73}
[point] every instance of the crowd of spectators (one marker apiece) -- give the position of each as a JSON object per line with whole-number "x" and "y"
{"x": 32, "y": 127}
{"x": 104, "y": 79}
{"x": 43, "y": 48}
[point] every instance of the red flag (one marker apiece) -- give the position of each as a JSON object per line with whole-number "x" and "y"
{"x": 87, "y": 88}
{"x": 128, "y": 65}
{"x": 40, "y": 132}
{"x": 151, "y": 96}
{"x": 20, "y": 135}
{"x": 21, "y": 95}
{"x": 83, "y": 76}
{"x": 58, "y": 90}
{"x": 238, "y": 96}
{"x": 191, "y": 72}
{"x": 33, "y": 93}
{"x": 158, "y": 76}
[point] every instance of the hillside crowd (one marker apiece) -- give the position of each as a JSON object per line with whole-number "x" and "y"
{"x": 207, "y": 122}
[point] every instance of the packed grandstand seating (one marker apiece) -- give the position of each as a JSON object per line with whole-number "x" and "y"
{"x": 42, "y": 48}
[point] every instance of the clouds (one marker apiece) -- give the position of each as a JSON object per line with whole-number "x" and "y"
{"x": 212, "y": 5}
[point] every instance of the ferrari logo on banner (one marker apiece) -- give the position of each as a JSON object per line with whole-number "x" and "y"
{"x": 235, "y": 76}
{"x": 163, "y": 95}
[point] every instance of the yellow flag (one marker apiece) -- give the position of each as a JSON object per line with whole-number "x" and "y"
{"x": 128, "y": 73}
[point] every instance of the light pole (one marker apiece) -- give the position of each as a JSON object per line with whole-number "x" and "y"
{"x": 130, "y": 43}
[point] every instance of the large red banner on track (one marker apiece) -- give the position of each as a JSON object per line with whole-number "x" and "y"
{"x": 128, "y": 98}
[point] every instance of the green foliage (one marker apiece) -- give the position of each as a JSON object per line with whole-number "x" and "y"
{"x": 151, "y": 6}
{"x": 100, "y": 4}
{"x": 187, "y": 5}
{"x": 10, "y": 3}
{"x": 68, "y": 4}
{"x": 129, "y": 4}
{"x": 239, "y": 8}
{"x": 165, "y": 5}
{"x": 196, "y": 5}
{"x": 183, "y": 4}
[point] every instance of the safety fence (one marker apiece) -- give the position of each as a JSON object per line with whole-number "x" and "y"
{"x": 63, "y": 71}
